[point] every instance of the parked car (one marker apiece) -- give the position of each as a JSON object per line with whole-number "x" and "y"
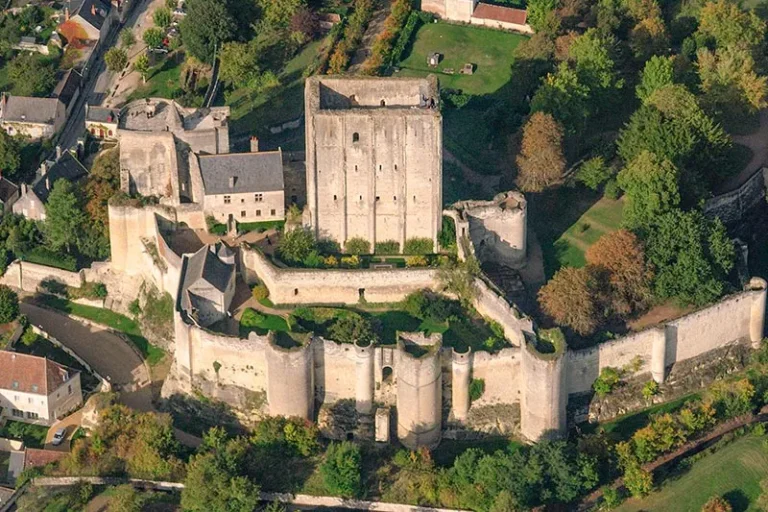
{"x": 59, "y": 436}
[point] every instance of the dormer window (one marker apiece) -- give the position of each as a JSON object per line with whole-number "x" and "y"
{"x": 15, "y": 384}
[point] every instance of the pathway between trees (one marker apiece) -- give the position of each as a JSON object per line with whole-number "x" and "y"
{"x": 758, "y": 143}
{"x": 375, "y": 27}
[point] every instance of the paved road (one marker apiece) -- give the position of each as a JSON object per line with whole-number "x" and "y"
{"x": 107, "y": 353}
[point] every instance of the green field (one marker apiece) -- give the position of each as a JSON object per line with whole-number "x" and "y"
{"x": 163, "y": 80}
{"x": 603, "y": 217}
{"x": 491, "y": 52}
{"x": 734, "y": 472}
{"x": 477, "y": 132}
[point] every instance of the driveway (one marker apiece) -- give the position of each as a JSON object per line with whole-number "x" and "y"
{"x": 107, "y": 353}
{"x": 71, "y": 423}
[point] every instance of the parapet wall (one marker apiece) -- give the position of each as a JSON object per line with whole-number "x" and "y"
{"x": 27, "y": 276}
{"x": 335, "y": 286}
{"x": 731, "y": 206}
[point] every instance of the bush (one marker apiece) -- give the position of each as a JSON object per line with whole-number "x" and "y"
{"x": 358, "y": 245}
{"x": 134, "y": 308}
{"x": 638, "y": 481}
{"x": 446, "y": 237}
{"x": 215, "y": 227}
{"x": 387, "y": 247}
{"x": 650, "y": 389}
{"x": 612, "y": 498}
{"x": 606, "y": 381}
{"x": 476, "y": 389}
{"x": 341, "y": 469}
{"x": 296, "y": 245}
{"x": 260, "y": 292}
{"x": 406, "y": 34}
{"x": 350, "y": 261}
{"x": 733, "y": 398}
{"x": 416, "y": 261}
{"x": 418, "y": 246}
{"x": 352, "y": 328}
{"x": 9, "y": 305}
{"x": 611, "y": 190}
{"x": 716, "y": 504}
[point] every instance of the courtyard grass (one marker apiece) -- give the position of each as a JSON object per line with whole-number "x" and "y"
{"x": 163, "y": 79}
{"x": 490, "y": 51}
{"x": 734, "y": 472}
{"x": 116, "y": 321}
{"x": 261, "y": 323}
{"x": 585, "y": 218}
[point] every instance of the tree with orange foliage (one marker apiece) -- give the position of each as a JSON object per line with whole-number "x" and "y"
{"x": 571, "y": 299}
{"x": 622, "y": 255}
{"x": 541, "y": 161}
{"x": 716, "y": 504}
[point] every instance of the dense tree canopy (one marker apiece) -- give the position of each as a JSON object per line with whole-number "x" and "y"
{"x": 208, "y": 24}
{"x": 651, "y": 187}
{"x": 31, "y": 75}
{"x": 657, "y": 73}
{"x": 541, "y": 161}
{"x": 570, "y": 298}
{"x": 691, "y": 256}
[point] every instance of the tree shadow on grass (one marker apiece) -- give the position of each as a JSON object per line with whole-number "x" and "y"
{"x": 737, "y": 499}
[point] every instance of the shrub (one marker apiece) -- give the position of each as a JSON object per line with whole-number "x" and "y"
{"x": 406, "y": 33}
{"x": 650, "y": 389}
{"x": 611, "y": 190}
{"x": 606, "y": 381}
{"x": 9, "y": 305}
{"x": 28, "y": 338}
{"x": 476, "y": 389}
{"x": 313, "y": 260}
{"x": 352, "y": 328}
{"x": 416, "y": 261}
{"x": 358, "y": 245}
{"x": 134, "y": 308}
{"x": 215, "y": 227}
{"x": 44, "y": 256}
{"x": 260, "y": 292}
{"x": 446, "y": 237}
{"x": 732, "y": 398}
{"x": 350, "y": 261}
{"x": 418, "y": 246}
{"x": 612, "y": 498}
{"x": 415, "y": 303}
{"x": 716, "y": 504}
{"x": 638, "y": 481}
{"x": 341, "y": 469}
{"x": 296, "y": 245}
{"x": 331, "y": 261}
{"x": 100, "y": 290}
{"x": 594, "y": 172}
{"x": 387, "y": 247}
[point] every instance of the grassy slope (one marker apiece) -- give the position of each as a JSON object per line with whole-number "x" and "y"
{"x": 602, "y": 218}
{"x": 163, "y": 80}
{"x": 116, "y": 321}
{"x": 734, "y": 472}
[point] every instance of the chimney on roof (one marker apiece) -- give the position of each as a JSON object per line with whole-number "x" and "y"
{"x": 254, "y": 144}
{"x": 47, "y": 182}
{"x": 58, "y": 152}
{"x": 44, "y": 168}
{"x": 93, "y": 9}
{"x": 232, "y": 180}
{"x": 23, "y": 188}
{"x": 66, "y": 14}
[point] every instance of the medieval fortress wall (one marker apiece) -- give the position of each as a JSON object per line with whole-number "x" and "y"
{"x": 426, "y": 383}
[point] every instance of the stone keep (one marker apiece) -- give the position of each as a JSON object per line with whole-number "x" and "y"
{"x": 374, "y": 158}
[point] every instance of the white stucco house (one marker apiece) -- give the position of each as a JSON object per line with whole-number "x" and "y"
{"x": 37, "y": 390}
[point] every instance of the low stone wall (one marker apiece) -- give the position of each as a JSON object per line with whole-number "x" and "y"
{"x": 731, "y": 206}
{"x": 9, "y": 445}
{"x": 334, "y": 286}
{"x": 27, "y": 276}
{"x": 490, "y": 304}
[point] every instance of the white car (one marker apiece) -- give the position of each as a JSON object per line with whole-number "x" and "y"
{"x": 59, "y": 436}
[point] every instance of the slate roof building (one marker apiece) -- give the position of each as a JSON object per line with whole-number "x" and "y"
{"x": 93, "y": 17}
{"x": 102, "y": 122}
{"x": 37, "y": 390}
{"x": 246, "y": 187}
{"x": 208, "y": 284}
{"x": 9, "y": 194}
{"x": 31, "y": 203}
{"x": 68, "y": 89}
{"x": 37, "y": 118}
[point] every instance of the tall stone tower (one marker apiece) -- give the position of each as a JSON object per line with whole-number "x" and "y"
{"x": 374, "y": 158}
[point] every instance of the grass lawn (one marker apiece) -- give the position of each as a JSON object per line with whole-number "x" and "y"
{"x": 734, "y": 472}
{"x": 475, "y": 133}
{"x": 586, "y": 217}
{"x": 491, "y": 51}
{"x": 32, "y": 435}
{"x": 116, "y": 321}
{"x": 256, "y": 113}
{"x": 244, "y": 227}
{"x": 163, "y": 79}
{"x": 261, "y": 323}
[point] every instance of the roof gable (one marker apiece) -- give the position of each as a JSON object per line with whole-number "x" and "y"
{"x": 32, "y": 374}
{"x": 240, "y": 173}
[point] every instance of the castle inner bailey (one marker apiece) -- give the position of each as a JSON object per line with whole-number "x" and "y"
{"x": 373, "y": 158}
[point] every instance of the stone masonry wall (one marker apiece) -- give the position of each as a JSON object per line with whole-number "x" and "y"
{"x": 731, "y": 206}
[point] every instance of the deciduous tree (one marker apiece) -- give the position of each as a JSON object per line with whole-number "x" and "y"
{"x": 730, "y": 26}
{"x": 621, "y": 253}
{"x": 64, "y": 217}
{"x": 31, "y": 75}
{"x": 657, "y": 73}
{"x": 570, "y": 299}
{"x": 9, "y": 304}
{"x": 651, "y": 186}
{"x": 162, "y": 17}
{"x": 341, "y": 469}
{"x": 141, "y": 66}
{"x": 208, "y": 24}
{"x": 116, "y": 59}
{"x": 541, "y": 161}
{"x": 564, "y": 97}
{"x": 153, "y": 37}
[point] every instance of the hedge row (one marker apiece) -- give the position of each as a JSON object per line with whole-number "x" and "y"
{"x": 415, "y": 20}
{"x": 353, "y": 34}
{"x": 43, "y": 256}
{"x": 381, "y": 51}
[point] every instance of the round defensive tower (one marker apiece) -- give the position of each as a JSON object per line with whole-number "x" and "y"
{"x": 290, "y": 383}
{"x": 419, "y": 390}
{"x": 461, "y": 370}
{"x": 543, "y": 391}
{"x": 364, "y": 384}
{"x": 758, "y": 286}
{"x": 517, "y": 235}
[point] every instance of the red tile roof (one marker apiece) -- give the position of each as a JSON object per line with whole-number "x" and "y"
{"x": 499, "y": 13}
{"x": 34, "y": 457}
{"x": 31, "y": 374}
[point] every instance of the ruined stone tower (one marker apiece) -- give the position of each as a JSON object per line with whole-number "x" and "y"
{"x": 374, "y": 158}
